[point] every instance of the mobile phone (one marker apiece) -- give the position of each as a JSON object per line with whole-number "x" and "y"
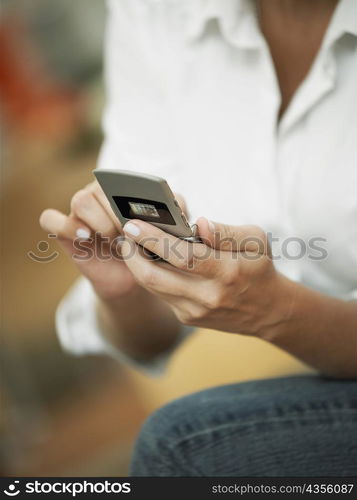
{"x": 134, "y": 195}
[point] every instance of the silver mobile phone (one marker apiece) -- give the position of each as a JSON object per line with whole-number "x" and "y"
{"x": 134, "y": 195}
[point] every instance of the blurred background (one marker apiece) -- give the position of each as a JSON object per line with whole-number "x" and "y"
{"x": 62, "y": 415}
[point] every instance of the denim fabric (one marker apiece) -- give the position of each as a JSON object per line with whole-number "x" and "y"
{"x": 293, "y": 426}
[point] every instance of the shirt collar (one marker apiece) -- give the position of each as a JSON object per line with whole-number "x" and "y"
{"x": 344, "y": 20}
{"x": 236, "y": 19}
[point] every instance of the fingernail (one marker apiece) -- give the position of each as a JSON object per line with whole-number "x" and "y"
{"x": 131, "y": 229}
{"x": 83, "y": 234}
{"x": 211, "y": 225}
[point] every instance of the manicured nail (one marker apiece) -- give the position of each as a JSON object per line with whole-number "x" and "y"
{"x": 211, "y": 226}
{"x": 132, "y": 229}
{"x": 83, "y": 234}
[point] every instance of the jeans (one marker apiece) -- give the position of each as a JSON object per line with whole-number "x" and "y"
{"x": 293, "y": 426}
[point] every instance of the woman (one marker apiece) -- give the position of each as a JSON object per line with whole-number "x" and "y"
{"x": 248, "y": 109}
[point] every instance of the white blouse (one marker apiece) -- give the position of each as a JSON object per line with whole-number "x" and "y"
{"x": 192, "y": 96}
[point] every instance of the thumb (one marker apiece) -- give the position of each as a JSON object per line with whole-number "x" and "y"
{"x": 233, "y": 238}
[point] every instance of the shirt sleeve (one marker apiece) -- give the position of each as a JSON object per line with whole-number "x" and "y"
{"x": 136, "y": 137}
{"x": 79, "y": 332}
{"x": 350, "y": 296}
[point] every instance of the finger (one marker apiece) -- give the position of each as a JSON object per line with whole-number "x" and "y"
{"x": 150, "y": 275}
{"x": 183, "y": 255}
{"x": 250, "y": 239}
{"x": 99, "y": 194}
{"x": 64, "y": 226}
{"x": 189, "y": 313}
{"x": 86, "y": 207}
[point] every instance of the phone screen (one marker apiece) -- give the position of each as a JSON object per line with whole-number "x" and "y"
{"x": 146, "y": 210}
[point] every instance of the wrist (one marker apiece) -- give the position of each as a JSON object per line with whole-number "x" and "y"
{"x": 114, "y": 294}
{"x": 139, "y": 324}
{"x": 283, "y": 307}
{"x": 117, "y": 302}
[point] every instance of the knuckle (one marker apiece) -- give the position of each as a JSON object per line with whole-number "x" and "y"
{"x": 231, "y": 276}
{"x": 80, "y": 199}
{"x": 154, "y": 245}
{"x": 213, "y": 301}
{"x": 148, "y": 278}
{"x": 196, "y": 315}
{"x": 258, "y": 238}
{"x": 185, "y": 319}
{"x": 188, "y": 319}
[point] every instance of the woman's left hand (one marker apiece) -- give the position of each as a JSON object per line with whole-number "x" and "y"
{"x": 226, "y": 283}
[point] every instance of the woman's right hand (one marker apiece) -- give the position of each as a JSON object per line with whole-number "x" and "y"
{"x": 91, "y": 213}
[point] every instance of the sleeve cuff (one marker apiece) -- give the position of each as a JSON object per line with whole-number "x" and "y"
{"x": 79, "y": 332}
{"x": 350, "y": 296}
